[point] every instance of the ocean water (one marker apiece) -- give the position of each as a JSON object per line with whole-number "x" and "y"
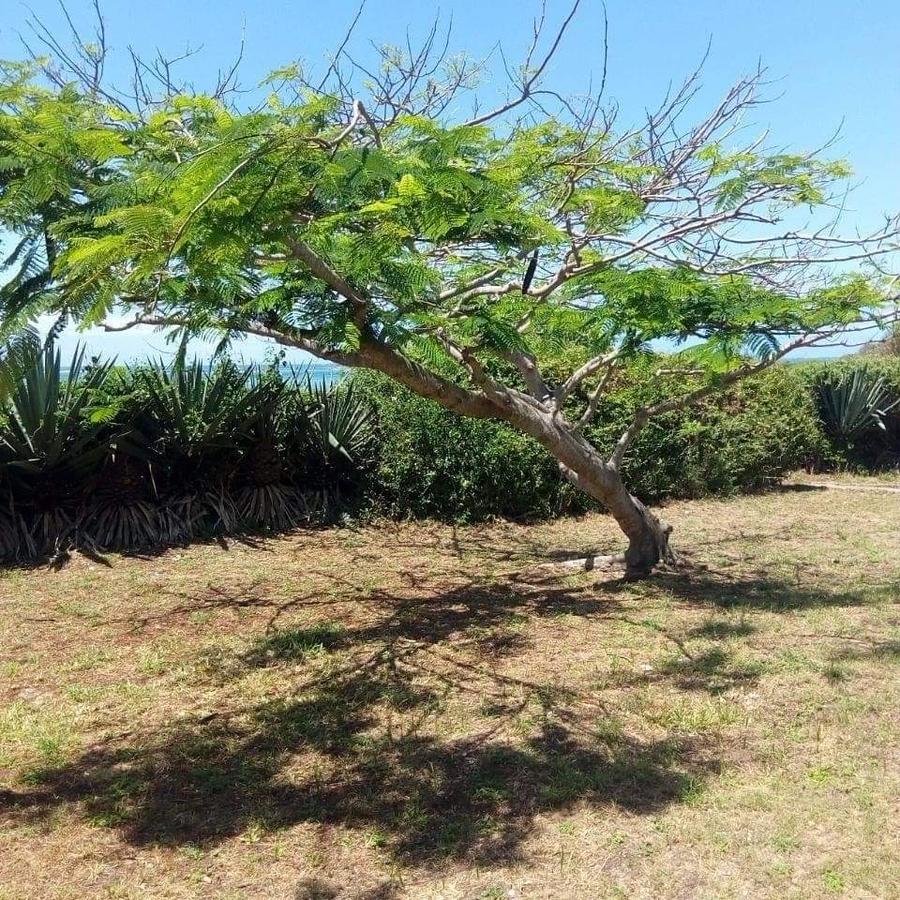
{"x": 317, "y": 372}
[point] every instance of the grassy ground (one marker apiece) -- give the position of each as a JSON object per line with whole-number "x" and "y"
{"x": 421, "y": 711}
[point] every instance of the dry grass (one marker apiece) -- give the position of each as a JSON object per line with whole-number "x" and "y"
{"x": 421, "y": 711}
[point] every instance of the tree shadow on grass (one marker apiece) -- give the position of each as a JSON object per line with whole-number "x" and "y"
{"x": 314, "y": 888}
{"x": 714, "y": 670}
{"x": 362, "y": 743}
{"x": 356, "y": 744}
{"x": 796, "y": 487}
{"x": 421, "y": 797}
{"x": 871, "y": 650}
{"x": 756, "y": 590}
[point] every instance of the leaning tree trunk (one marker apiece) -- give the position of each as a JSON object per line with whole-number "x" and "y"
{"x": 648, "y": 537}
{"x": 582, "y": 464}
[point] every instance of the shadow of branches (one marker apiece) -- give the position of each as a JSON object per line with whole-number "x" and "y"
{"x": 359, "y": 740}
{"x": 756, "y": 590}
{"x": 357, "y": 745}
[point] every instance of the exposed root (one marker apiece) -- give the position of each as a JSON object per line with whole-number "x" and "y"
{"x": 586, "y": 563}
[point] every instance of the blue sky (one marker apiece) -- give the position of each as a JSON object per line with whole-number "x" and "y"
{"x": 830, "y": 62}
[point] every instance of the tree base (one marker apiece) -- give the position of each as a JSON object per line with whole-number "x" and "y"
{"x": 649, "y": 546}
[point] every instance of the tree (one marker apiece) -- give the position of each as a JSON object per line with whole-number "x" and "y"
{"x": 359, "y": 217}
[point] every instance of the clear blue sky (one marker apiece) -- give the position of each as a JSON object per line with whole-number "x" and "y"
{"x": 832, "y": 61}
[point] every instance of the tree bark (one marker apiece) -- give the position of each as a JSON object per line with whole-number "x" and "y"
{"x": 579, "y": 461}
{"x": 648, "y": 535}
{"x": 648, "y": 544}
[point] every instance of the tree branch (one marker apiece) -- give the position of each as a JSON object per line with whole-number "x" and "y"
{"x": 371, "y": 354}
{"x": 643, "y": 415}
{"x": 531, "y": 80}
{"x": 579, "y": 375}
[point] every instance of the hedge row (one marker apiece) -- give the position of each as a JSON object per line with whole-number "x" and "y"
{"x": 107, "y": 458}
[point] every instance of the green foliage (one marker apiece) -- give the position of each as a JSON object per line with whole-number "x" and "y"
{"x": 854, "y": 406}
{"x": 858, "y": 398}
{"x": 104, "y": 458}
{"x": 198, "y": 208}
{"x": 433, "y": 463}
{"x": 744, "y": 440}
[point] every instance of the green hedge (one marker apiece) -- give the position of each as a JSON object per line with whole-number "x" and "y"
{"x": 746, "y": 439}
{"x": 432, "y": 463}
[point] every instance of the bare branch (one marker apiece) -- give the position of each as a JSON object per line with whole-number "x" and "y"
{"x": 643, "y": 415}
{"x": 332, "y": 67}
{"x": 530, "y": 371}
{"x": 531, "y": 77}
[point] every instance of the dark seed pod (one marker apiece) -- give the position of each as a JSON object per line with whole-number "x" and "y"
{"x": 529, "y": 272}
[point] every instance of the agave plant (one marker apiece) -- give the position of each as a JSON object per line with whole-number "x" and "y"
{"x": 111, "y": 459}
{"x": 193, "y": 422}
{"x": 341, "y": 422}
{"x": 335, "y": 427}
{"x": 52, "y": 440}
{"x": 266, "y": 497}
{"x": 15, "y": 356}
{"x": 122, "y": 513}
{"x": 122, "y": 526}
{"x": 190, "y": 418}
{"x": 854, "y": 405}
{"x": 14, "y": 537}
{"x": 275, "y": 505}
